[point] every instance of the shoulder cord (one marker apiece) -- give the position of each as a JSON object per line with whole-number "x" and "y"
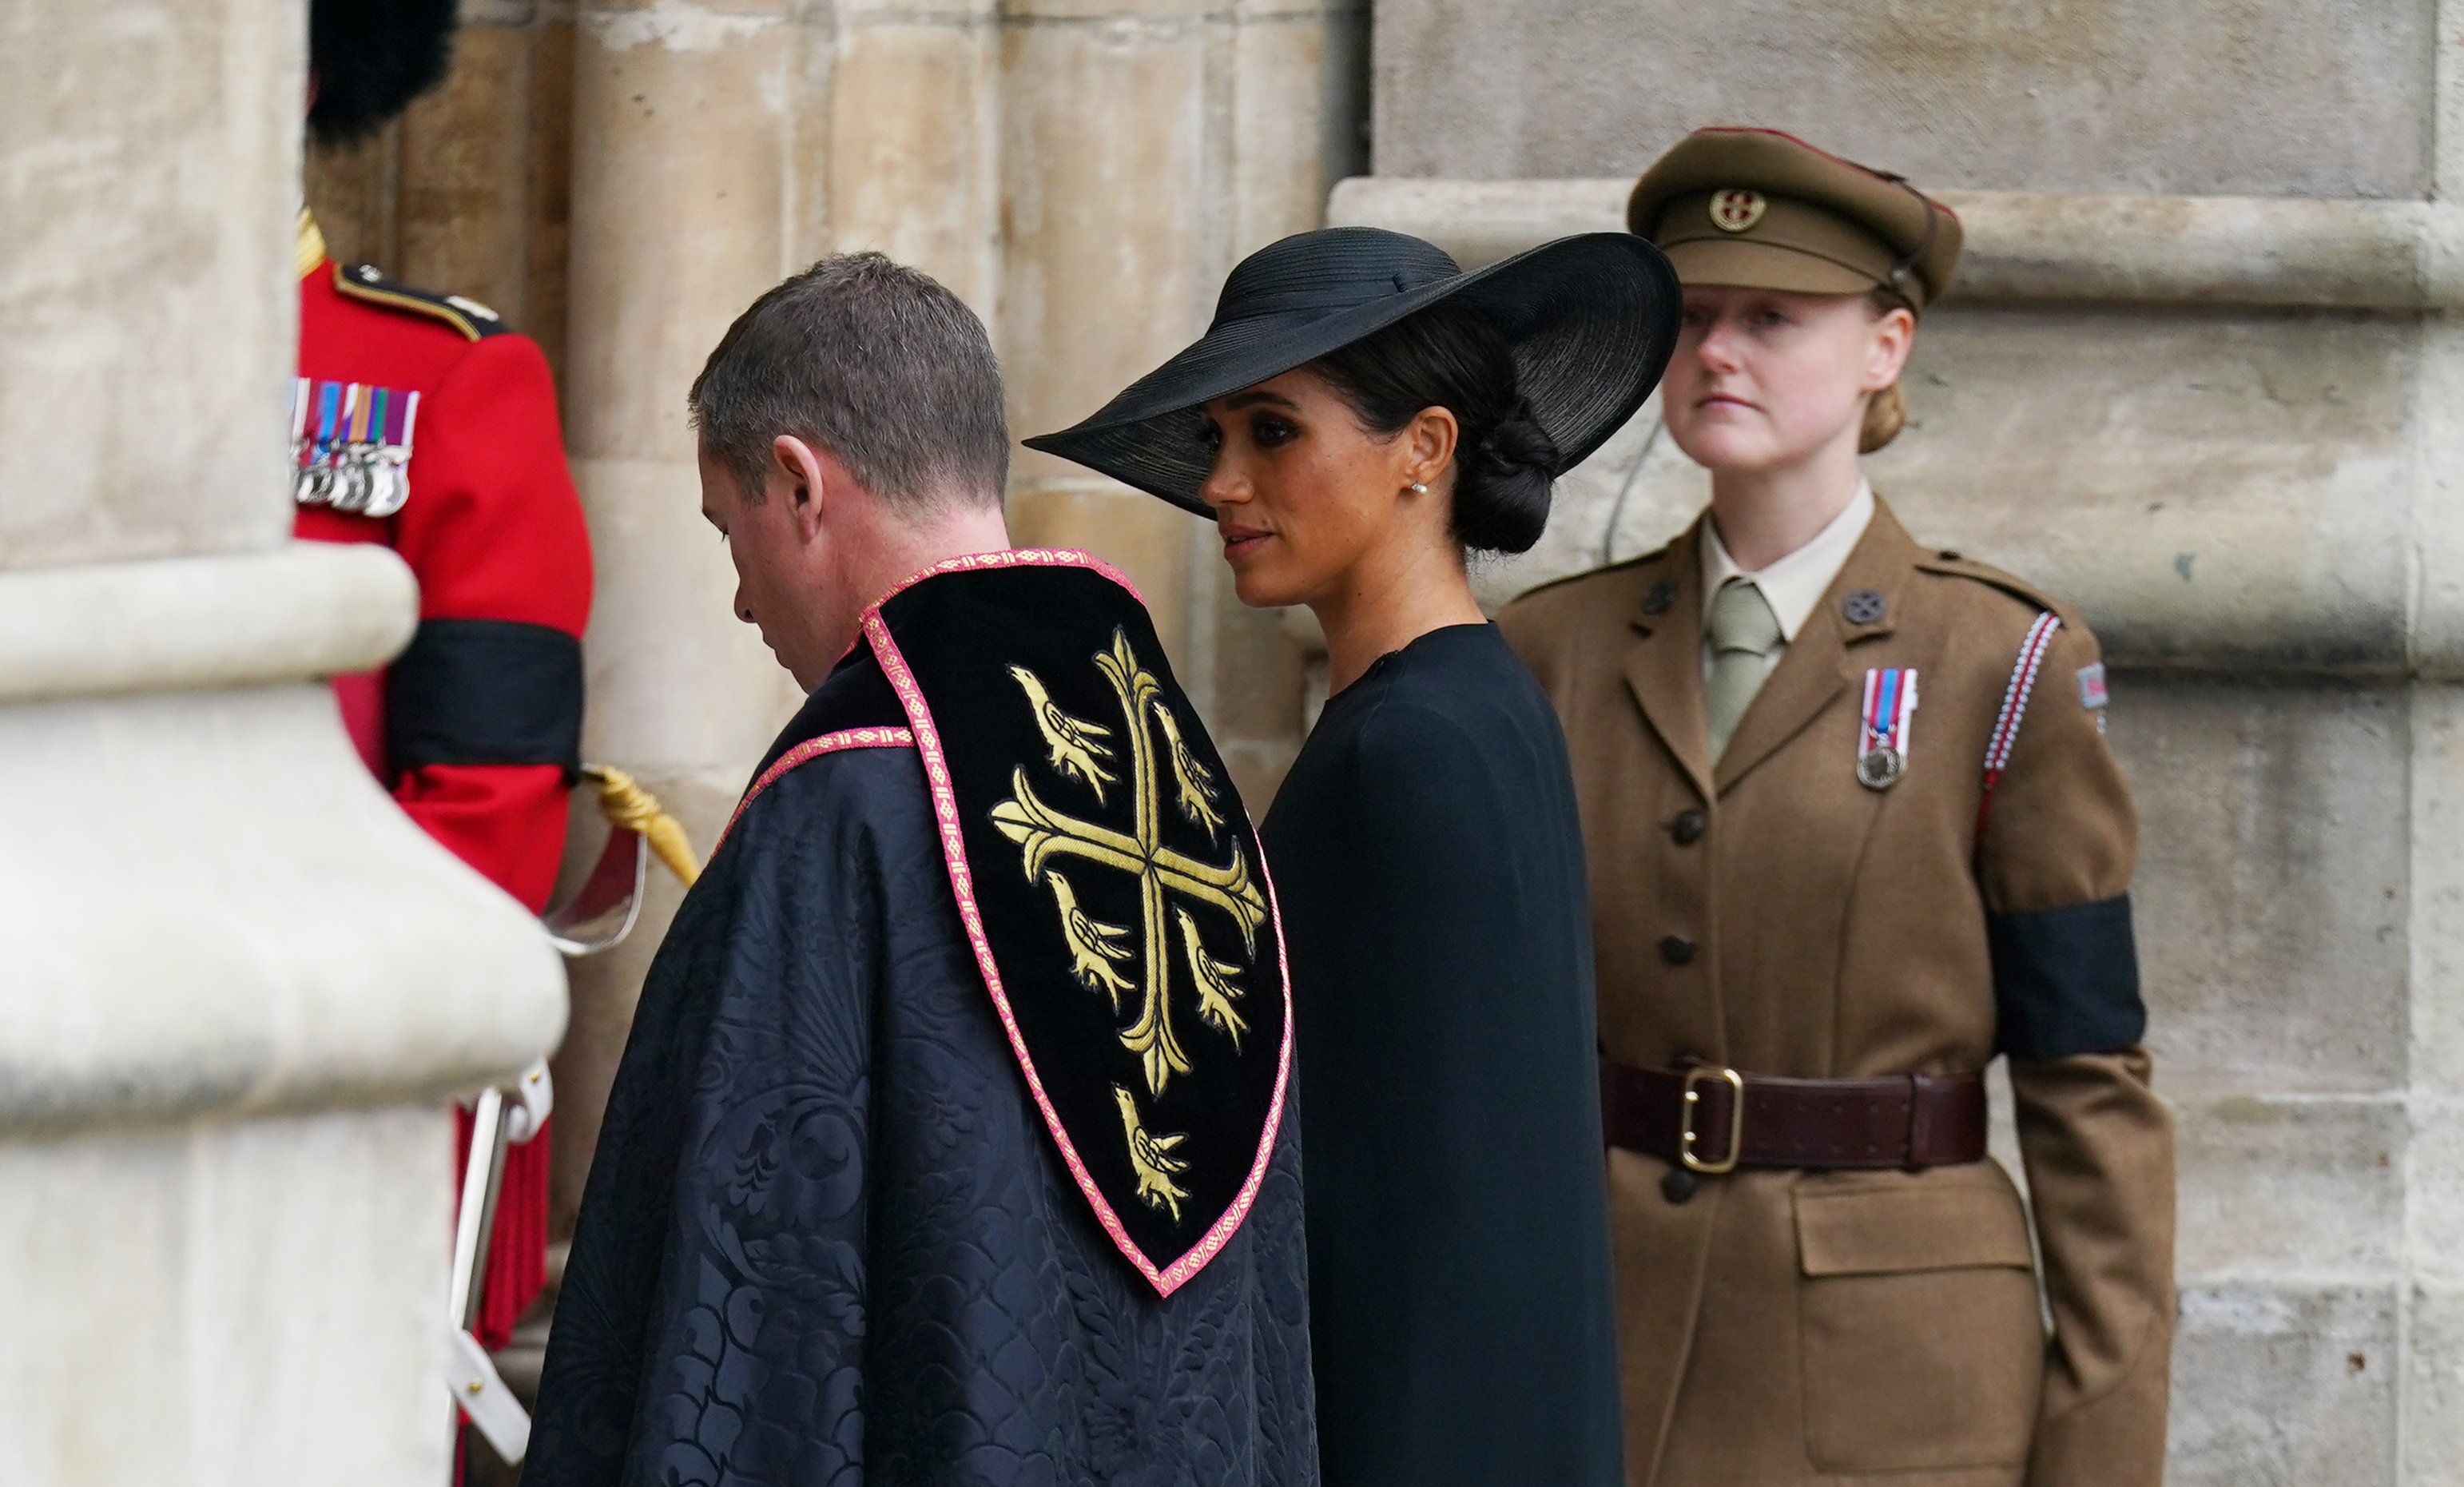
{"x": 2015, "y": 706}
{"x": 630, "y": 808}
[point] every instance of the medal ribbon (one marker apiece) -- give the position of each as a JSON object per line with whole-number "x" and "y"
{"x": 1890, "y": 710}
{"x": 399, "y": 415}
{"x": 302, "y": 393}
{"x": 329, "y": 410}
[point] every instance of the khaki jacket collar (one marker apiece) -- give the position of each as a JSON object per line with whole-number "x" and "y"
{"x": 1664, "y": 666}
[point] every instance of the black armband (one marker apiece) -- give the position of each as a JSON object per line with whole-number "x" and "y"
{"x": 2066, "y": 981}
{"x": 486, "y": 692}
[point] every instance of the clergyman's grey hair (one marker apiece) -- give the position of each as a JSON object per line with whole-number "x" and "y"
{"x": 873, "y": 361}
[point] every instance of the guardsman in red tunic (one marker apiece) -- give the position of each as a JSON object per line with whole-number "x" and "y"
{"x": 421, "y": 422}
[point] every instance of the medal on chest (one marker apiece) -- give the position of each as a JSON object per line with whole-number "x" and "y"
{"x": 350, "y": 446}
{"x": 1890, "y": 707}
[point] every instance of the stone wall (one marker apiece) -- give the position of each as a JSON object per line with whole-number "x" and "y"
{"x": 2313, "y": 97}
{"x": 2203, "y": 379}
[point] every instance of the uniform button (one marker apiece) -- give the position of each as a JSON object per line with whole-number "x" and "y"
{"x": 1679, "y": 1185}
{"x": 1676, "y": 950}
{"x": 1689, "y": 827}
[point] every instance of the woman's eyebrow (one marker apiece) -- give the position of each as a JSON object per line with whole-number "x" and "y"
{"x": 1255, "y": 397}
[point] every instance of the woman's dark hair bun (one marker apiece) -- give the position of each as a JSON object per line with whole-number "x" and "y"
{"x": 1457, "y": 359}
{"x": 1501, "y": 491}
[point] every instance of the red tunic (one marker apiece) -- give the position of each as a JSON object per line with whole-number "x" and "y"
{"x": 475, "y": 728}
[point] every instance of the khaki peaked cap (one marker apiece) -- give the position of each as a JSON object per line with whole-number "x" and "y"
{"x": 1760, "y": 209}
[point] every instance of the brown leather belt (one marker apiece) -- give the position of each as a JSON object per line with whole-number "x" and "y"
{"x": 1694, "y": 1117}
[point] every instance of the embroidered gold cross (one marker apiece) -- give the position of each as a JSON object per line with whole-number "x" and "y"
{"x": 1077, "y": 749}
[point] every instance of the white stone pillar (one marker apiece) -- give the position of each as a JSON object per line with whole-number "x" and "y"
{"x": 1147, "y": 146}
{"x": 914, "y": 144}
{"x": 236, "y": 985}
{"x": 697, "y": 164}
{"x": 1113, "y": 188}
{"x": 2431, "y": 1398}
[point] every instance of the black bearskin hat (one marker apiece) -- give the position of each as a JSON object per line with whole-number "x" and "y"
{"x": 370, "y": 58}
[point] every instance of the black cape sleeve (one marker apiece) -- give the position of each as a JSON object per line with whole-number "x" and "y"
{"x": 1457, "y": 1209}
{"x": 713, "y": 1317}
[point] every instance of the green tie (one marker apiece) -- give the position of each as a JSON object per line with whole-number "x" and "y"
{"x": 1744, "y": 631}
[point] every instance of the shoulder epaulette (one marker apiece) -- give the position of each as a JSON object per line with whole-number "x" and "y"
{"x": 368, "y": 283}
{"x": 1619, "y": 566}
{"x": 1951, "y": 565}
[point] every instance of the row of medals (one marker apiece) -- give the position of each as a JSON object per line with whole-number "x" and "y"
{"x": 362, "y": 478}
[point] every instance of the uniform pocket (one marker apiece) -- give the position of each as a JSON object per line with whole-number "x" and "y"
{"x": 1923, "y": 1344}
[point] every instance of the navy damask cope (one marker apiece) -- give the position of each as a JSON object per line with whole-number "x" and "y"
{"x": 1113, "y": 887}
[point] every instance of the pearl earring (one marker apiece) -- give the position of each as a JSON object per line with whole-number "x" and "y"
{"x": 1418, "y": 489}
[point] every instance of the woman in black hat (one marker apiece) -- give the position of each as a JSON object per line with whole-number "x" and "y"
{"x": 1361, "y": 416}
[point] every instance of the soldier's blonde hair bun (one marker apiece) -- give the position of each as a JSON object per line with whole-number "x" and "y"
{"x": 1885, "y": 411}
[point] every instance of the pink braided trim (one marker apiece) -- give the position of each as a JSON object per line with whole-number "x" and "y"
{"x": 1013, "y": 558}
{"x": 953, "y": 851}
{"x": 815, "y": 748}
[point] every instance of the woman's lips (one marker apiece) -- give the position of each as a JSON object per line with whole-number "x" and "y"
{"x": 1240, "y": 540}
{"x": 1724, "y": 400}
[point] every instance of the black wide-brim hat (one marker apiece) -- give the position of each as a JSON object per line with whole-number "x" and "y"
{"x": 1591, "y": 321}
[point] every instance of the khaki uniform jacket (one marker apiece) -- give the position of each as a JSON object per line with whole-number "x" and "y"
{"x": 1778, "y": 916}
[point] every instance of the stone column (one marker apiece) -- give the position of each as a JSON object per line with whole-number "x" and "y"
{"x": 1299, "y": 104}
{"x": 696, "y": 158}
{"x": 483, "y": 170}
{"x": 1113, "y": 193}
{"x": 914, "y": 144}
{"x": 1148, "y": 147}
{"x": 2431, "y": 1440}
{"x": 235, "y": 985}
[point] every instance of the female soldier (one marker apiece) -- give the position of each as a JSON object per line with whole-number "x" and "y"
{"x": 1360, "y": 415}
{"x": 1852, "y": 831}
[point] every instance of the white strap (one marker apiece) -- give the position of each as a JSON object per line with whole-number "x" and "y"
{"x": 482, "y": 1395}
{"x": 531, "y": 1097}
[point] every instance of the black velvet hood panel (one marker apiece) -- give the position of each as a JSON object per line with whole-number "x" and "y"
{"x": 1112, "y": 884}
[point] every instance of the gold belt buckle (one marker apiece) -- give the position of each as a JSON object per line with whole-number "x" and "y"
{"x": 1695, "y": 1079}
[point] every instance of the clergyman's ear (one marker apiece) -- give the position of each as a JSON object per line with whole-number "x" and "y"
{"x": 797, "y": 473}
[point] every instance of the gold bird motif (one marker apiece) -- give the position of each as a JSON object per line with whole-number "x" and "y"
{"x": 1195, "y": 782}
{"x": 1072, "y": 741}
{"x": 1217, "y": 990}
{"x": 1092, "y": 943}
{"x": 1150, "y": 1158}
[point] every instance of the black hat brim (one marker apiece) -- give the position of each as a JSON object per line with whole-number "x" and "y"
{"x": 1591, "y": 321}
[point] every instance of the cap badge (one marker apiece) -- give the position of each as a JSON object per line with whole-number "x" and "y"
{"x": 1735, "y": 210}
